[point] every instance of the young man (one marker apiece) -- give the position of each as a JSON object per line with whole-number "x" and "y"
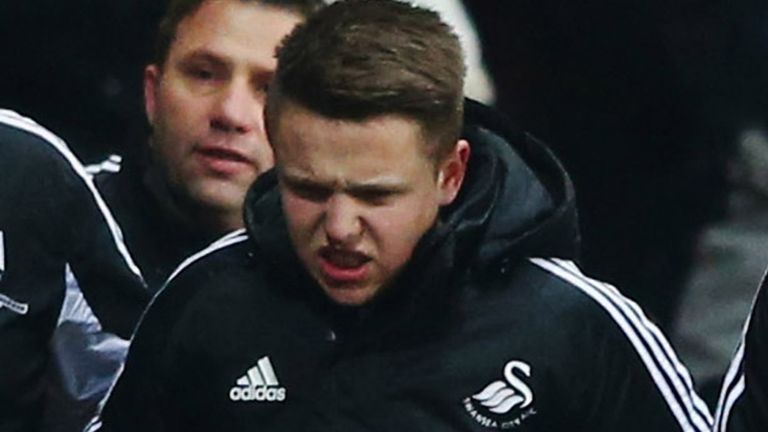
{"x": 51, "y": 216}
{"x": 388, "y": 279}
{"x": 743, "y": 405}
{"x": 204, "y": 97}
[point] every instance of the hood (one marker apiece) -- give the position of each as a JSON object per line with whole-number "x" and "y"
{"x": 516, "y": 201}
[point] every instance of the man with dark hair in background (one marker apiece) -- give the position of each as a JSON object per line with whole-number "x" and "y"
{"x": 204, "y": 96}
{"x": 51, "y": 219}
{"x": 393, "y": 271}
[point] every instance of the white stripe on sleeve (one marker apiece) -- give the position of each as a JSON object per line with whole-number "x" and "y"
{"x": 669, "y": 375}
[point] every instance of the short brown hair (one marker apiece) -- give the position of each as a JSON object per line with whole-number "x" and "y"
{"x": 357, "y": 59}
{"x": 179, "y": 9}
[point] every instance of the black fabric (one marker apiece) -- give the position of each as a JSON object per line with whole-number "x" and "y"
{"x": 158, "y": 243}
{"x": 49, "y": 217}
{"x": 469, "y": 305}
{"x": 746, "y": 410}
{"x": 76, "y": 67}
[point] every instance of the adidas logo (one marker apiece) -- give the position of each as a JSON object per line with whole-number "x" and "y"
{"x": 258, "y": 384}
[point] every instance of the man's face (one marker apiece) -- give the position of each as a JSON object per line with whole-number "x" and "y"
{"x": 358, "y": 196}
{"x": 206, "y": 107}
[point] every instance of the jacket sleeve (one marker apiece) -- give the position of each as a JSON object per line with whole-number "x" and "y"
{"x": 627, "y": 376}
{"x": 53, "y": 206}
{"x": 77, "y": 226}
{"x": 165, "y": 370}
{"x": 86, "y": 361}
{"x": 151, "y": 394}
{"x": 109, "y": 279}
{"x": 141, "y": 397}
{"x": 743, "y": 403}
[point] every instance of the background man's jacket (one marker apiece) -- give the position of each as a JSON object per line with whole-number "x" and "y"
{"x": 52, "y": 221}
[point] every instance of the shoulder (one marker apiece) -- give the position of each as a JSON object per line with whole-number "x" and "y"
{"x": 226, "y": 258}
{"x": 616, "y": 328}
{"x": 557, "y": 286}
{"x": 552, "y": 296}
{"x": 184, "y": 294}
{"x": 41, "y": 174}
{"x": 228, "y": 254}
{"x": 598, "y": 304}
{"x": 31, "y": 147}
{"x": 204, "y": 301}
{"x": 43, "y": 177}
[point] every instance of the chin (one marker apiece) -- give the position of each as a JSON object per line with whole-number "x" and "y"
{"x": 349, "y": 296}
{"x": 221, "y": 199}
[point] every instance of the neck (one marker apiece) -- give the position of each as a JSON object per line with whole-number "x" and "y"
{"x": 199, "y": 220}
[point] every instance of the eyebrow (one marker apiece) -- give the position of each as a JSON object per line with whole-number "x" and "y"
{"x": 202, "y": 54}
{"x": 381, "y": 184}
{"x": 220, "y": 60}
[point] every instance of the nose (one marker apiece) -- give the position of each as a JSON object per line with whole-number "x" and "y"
{"x": 343, "y": 224}
{"x": 238, "y": 108}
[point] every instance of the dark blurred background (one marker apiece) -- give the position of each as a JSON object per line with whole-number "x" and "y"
{"x": 76, "y": 67}
{"x": 643, "y": 100}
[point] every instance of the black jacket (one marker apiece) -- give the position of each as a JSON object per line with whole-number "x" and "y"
{"x": 743, "y": 404}
{"x": 89, "y": 357}
{"x": 50, "y": 216}
{"x": 158, "y": 243}
{"x": 476, "y": 334}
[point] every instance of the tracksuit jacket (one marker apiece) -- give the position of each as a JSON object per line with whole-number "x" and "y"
{"x": 54, "y": 230}
{"x": 490, "y": 326}
{"x": 743, "y": 404}
{"x": 84, "y": 350}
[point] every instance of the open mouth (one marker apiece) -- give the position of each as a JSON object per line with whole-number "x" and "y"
{"x": 344, "y": 259}
{"x": 342, "y": 266}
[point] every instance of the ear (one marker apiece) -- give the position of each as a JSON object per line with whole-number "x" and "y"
{"x": 452, "y": 170}
{"x": 151, "y": 84}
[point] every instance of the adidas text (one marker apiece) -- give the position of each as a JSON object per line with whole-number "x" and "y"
{"x": 259, "y": 394}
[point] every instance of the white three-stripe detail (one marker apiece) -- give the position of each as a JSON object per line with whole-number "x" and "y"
{"x": 254, "y": 375}
{"x": 669, "y": 375}
{"x": 265, "y": 365}
{"x": 260, "y": 375}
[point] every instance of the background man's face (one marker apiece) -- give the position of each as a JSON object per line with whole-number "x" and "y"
{"x": 357, "y": 196}
{"x": 206, "y": 105}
